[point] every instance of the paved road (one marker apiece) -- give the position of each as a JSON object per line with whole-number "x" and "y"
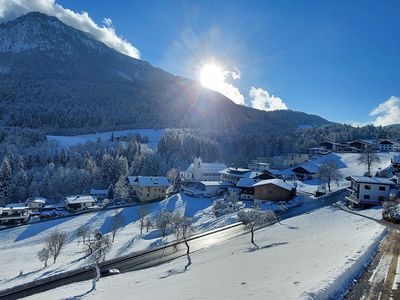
{"x": 377, "y": 280}
{"x": 157, "y": 256}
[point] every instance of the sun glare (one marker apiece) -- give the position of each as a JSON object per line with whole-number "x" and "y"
{"x": 211, "y": 76}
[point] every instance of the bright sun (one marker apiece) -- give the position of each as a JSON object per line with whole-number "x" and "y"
{"x": 211, "y": 76}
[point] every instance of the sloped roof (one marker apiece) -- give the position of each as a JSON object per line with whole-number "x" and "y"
{"x": 150, "y": 181}
{"x": 208, "y": 167}
{"x": 36, "y": 200}
{"x": 79, "y": 199}
{"x": 246, "y": 182}
{"x": 309, "y": 167}
{"x": 371, "y": 180}
{"x": 278, "y": 182}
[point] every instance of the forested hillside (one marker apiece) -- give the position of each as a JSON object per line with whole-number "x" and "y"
{"x": 62, "y": 80}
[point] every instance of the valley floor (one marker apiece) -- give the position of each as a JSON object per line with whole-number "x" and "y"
{"x": 311, "y": 256}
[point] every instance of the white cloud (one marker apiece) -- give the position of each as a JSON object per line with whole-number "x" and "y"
{"x": 10, "y": 9}
{"x": 387, "y": 113}
{"x": 107, "y": 22}
{"x": 262, "y": 100}
{"x": 229, "y": 90}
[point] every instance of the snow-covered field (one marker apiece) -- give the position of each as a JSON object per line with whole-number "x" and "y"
{"x": 299, "y": 259}
{"x": 19, "y": 245}
{"x": 154, "y": 136}
{"x": 348, "y": 165}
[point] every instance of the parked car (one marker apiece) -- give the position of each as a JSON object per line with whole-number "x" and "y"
{"x": 109, "y": 272}
{"x": 392, "y": 214}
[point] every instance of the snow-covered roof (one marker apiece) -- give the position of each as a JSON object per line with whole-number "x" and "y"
{"x": 208, "y": 167}
{"x": 278, "y": 182}
{"x": 213, "y": 183}
{"x": 386, "y": 142}
{"x": 16, "y": 205}
{"x": 371, "y": 180}
{"x": 79, "y": 199}
{"x": 150, "y": 181}
{"x": 98, "y": 192}
{"x": 36, "y": 200}
{"x": 309, "y": 167}
{"x": 246, "y": 182}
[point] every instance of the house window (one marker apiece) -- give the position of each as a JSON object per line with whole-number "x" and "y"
{"x": 148, "y": 195}
{"x": 367, "y": 187}
{"x": 382, "y": 188}
{"x": 367, "y": 197}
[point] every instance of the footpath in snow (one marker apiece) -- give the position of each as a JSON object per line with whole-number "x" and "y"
{"x": 312, "y": 256}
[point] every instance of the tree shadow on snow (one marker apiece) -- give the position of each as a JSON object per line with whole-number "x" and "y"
{"x": 23, "y": 275}
{"x": 37, "y": 228}
{"x": 267, "y": 246}
{"x": 176, "y": 272}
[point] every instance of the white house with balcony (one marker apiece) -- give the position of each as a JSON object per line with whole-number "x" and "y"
{"x": 79, "y": 203}
{"x": 200, "y": 171}
{"x": 14, "y": 214}
{"x": 368, "y": 191}
{"x": 36, "y": 204}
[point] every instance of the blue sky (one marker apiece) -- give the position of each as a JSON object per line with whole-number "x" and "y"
{"x": 337, "y": 59}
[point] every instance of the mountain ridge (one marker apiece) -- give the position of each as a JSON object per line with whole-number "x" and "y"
{"x": 58, "y": 78}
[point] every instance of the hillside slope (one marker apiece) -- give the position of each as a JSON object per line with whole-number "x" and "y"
{"x": 56, "y": 77}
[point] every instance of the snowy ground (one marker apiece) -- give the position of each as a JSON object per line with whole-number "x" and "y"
{"x": 348, "y": 165}
{"x": 19, "y": 245}
{"x": 299, "y": 259}
{"x": 154, "y": 136}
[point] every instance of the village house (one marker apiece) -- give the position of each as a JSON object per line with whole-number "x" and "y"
{"x": 233, "y": 175}
{"x": 334, "y": 147}
{"x": 316, "y": 152}
{"x": 14, "y": 214}
{"x": 362, "y": 145}
{"x": 79, "y": 203}
{"x": 36, "y": 204}
{"x": 199, "y": 171}
{"x": 147, "y": 188}
{"x": 259, "y": 166}
{"x": 306, "y": 171}
{"x": 387, "y": 146}
{"x": 213, "y": 188}
{"x": 245, "y": 185}
{"x": 368, "y": 191}
{"x": 288, "y": 160}
{"x": 273, "y": 190}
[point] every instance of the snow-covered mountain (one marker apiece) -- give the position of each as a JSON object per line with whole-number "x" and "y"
{"x": 59, "y": 78}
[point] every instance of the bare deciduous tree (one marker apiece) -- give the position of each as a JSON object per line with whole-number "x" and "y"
{"x": 142, "y": 214}
{"x": 100, "y": 245}
{"x": 329, "y": 172}
{"x": 253, "y": 218}
{"x": 83, "y": 233}
{"x": 182, "y": 227}
{"x": 368, "y": 158}
{"x": 163, "y": 222}
{"x": 44, "y": 255}
{"x": 117, "y": 223}
{"x": 233, "y": 200}
{"x": 148, "y": 224}
{"x": 55, "y": 243}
